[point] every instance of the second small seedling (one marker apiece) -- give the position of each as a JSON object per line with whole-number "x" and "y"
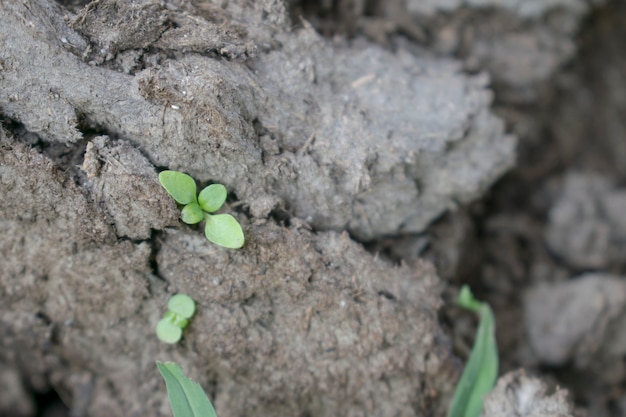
{"x": 181, "y": 308}
{"x": 221, "y": 229}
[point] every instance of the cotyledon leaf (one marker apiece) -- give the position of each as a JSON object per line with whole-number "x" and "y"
{"x": 187, "y": 398}
{"x": 481, "y": 371}
{"x": 168, "y": 332}
{"x": 179, "y": 185}
{"x": 183, "y": 305}
{"x": 191, "y": 213}
{"x": 223, "y": 230}
{"x": 212, "y": 197}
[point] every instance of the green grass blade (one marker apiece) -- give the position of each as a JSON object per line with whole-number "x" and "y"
{"x": 179, "y": 185}
{"x": 481, "y": 371}
{"x": 187, "y": 398}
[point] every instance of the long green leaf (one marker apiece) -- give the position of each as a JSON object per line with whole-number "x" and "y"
{"x": 187, "y": 398}
{"x": 481, "y": 371}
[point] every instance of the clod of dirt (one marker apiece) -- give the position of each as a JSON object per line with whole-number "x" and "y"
{"x": 118, "y": 25}
{"x": 521, "y": 43}
{"x": 236, "y": 28}
{"x": 393, "y": 139}
{"x": 299, "y": 323}
{"x": 296, "y": 322}
{"x": 123, "y": 180}
{"x": 519, "y": 395}
{"x": 360, "y": 138}
{"x": 568, "y": 321}
{"x": 47, "y": 207}
{"x": 587, "y": 226}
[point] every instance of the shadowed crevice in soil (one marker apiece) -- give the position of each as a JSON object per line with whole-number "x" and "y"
{"x": 156, "y": 241}
{"x": 49, "y": 404}
{"x": 66, "y": 156}
{"x": 73, "y": 5}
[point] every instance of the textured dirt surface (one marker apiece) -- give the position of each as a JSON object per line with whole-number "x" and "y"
{"x": 558, "y": 73}
{"x": 262, "y": 336}
{"x": 332, "y": 124}
{"x": 555, "y": 218}
{"x": 521, "y": 43}
{"x": 587, "y": 227}
{"x": 569, "y": 321}
{"x": 517, "y": 394}
{"x": 125, "y": 184}
{"x": 328, "y": 134}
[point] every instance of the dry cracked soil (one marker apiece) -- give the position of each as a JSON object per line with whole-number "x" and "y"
{"x": 378, "y": 155}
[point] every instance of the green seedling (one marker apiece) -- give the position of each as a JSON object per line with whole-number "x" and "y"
{"x": 481, "y": 371}
{"x": 180, "y": 309}
{"x": 221, "y": 229}
{"x": 187, "y": 398}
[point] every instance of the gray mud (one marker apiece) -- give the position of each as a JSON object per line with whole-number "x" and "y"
{"x": 359, "y": 142}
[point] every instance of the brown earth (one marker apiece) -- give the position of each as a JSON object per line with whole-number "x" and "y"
{"x": 359, "y": 142}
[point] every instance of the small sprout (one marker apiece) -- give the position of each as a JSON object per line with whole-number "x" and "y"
{"x": 481, "y": 371}
{"x": 221, "y": 229}
{"x": 170, "y": 327}
{"x": 175, "y": 319}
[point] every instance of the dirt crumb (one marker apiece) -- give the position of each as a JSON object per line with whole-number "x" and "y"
{"x": 517, "y": 394}
{"x": 587, "y": 227}
{"x": 568, "y": 321}
{"x": 125, "y": 182}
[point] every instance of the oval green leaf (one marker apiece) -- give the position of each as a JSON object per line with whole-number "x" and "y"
{"x": 187, "y": 398}
{"x": 212, "y": 197}
{"x": 183, "y": 305}
{"x": 167, "y": 332}
{"x": 179, "y": 185}
{"x": 223, "y": 230}
{"x": 191, "y": 214}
